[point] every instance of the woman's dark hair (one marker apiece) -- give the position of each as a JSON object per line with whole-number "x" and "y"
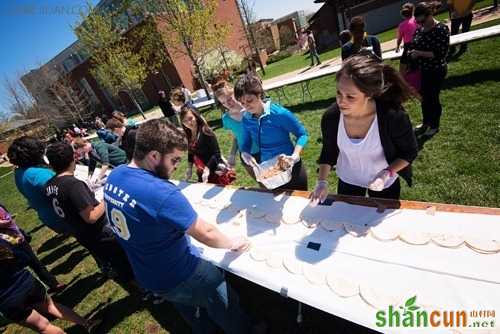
{"x": 407, "y": 10}
{"x": 26, "y": 152}
{"x": 426, "y": 8}
{"x": 200, "y": 121}
{"x": 248, "y": 84}
{"x": 377, "y": 80}
{"x": 60, "y": 156}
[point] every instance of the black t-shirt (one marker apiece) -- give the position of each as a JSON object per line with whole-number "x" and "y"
{"x": 436, "y": 40}
{"x": 68, "y": 196}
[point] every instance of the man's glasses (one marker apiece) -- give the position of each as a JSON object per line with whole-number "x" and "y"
{"x": 175, "y": 161}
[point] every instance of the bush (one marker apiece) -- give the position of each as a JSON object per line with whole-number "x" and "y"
{"x": 278, "y": 56}
{"x": 213, "y": 64}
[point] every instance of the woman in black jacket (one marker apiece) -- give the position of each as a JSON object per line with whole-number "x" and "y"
{"x": 367, "y": 133}
{"x": 203, "y": 151}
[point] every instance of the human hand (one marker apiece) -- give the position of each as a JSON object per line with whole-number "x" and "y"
{"x": 319, "y": 194}
{"x": 204, "y": 176}
{"x": 239, "y": 244}
{"x": 248, "y": 159}
{"x": 231, "y": 161}
{"x": 378, "y": 182}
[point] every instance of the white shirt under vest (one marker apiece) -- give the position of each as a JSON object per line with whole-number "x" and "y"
{"x": 360, "y": 160}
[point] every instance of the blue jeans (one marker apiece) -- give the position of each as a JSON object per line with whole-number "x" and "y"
{"x": 205, "y": 298}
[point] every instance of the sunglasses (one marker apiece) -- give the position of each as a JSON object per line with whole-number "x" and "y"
{"x": 421, "y": 19}
{"x": 175, "y": 161}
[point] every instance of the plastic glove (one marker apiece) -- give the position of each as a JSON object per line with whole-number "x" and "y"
{"x": 248, "y": 159}
{"x": 320, "y": 193}
{"x": 378, "y": 182}
{"x": 291, "y": 159}
{"x": 204, "y": 176}
{"x": 189, "y": 173}
{"x": 239, "y": 244}
{"x": 231, "y": 161}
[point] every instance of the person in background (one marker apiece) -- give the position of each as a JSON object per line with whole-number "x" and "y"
{"x": 24, "y": 300}
{"x": 106, "y": 154}
{"x": 122, "y": 118}
{"x": 179, "y": 100}
{"x": 31, "y": 176}
{"x": 11, "y": 233}
{"x": 366, "y": 133}
{"x": 232, "y": 121}
{"x": 313, "y": 51}
{"x": 460, "y": 15}
{"x": 269, "y": 125}
{"x": 360, "y": 40}
{"x": 429, "y": 50}
{"x": 73, "y": 201}
{"x": 345, "y": 36}
{"x": 406, "y": 31}
{"x": 152, "y": 220}
{"x": 187, "y": 94}
{"x": 118, "y": 129}
{"x": 104, "y": 134}
{"x": 167, "y": 109}
{"x": 203, "y": 150}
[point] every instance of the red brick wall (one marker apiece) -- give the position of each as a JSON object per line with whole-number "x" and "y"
{"x": 227, "y": 12}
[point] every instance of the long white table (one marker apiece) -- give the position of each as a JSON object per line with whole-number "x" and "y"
{"x": 441, "y": 278}
{"x": 385, "y": 272}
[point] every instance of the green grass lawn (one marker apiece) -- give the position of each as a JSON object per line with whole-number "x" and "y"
{"x": 459, "y": 165}
{"x": 299, "y": 61}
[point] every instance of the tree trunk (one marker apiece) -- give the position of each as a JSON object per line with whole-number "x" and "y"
{"x": 198, "y": 70}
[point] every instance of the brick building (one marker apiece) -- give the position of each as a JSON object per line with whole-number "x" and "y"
{"x": 179, "y": 71}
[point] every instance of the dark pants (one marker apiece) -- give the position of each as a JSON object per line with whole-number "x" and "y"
{"x": 314, "y": 55}
{"x": 432, "y": 82}
{"x": 38, "y": 267}
{"x": 465, "y": 22}
{"x": 106, "y": 250}
{"x": 393, "y": 192}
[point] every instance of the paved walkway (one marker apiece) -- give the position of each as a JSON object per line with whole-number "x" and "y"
{"x": 480, "y": 16}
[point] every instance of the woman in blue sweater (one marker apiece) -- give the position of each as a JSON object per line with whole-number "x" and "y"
{"x": 269, "y": 125}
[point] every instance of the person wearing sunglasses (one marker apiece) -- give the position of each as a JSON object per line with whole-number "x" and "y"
{"x": 429, "y": 51}
{"x": 154, "y": 221}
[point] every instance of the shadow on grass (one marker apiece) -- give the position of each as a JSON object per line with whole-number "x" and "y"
{"x": 52, "y": 243}
{"x": 58, "y": 253}
{"x": 78, "y": 290}
{"x": 71, "y": 262}
{"x": 311, "y": 105}
{"x": 471, "y": 78}
{"x": 36, "y": 229}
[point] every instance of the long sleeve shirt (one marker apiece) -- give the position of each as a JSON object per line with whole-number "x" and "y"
{"x": 271, "y": 131}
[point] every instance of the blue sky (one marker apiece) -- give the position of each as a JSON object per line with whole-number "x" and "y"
{"x": 34, "y": 31}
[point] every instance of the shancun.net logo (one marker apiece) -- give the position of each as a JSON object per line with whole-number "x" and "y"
{"x": 410, "y": 315}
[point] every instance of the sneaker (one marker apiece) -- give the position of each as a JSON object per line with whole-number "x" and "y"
{"x": 430, "y": 132}
{"x": 421, "y": 129}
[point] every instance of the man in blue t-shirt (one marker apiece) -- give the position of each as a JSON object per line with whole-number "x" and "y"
{"x": 153, "y": 220}
{"x": 31, "y": 176}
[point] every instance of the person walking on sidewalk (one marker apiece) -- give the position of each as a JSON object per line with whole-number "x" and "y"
{"x": 312, "y": 48}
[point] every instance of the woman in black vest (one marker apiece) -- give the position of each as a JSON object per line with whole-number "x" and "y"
{"x": 367, "y": 133}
